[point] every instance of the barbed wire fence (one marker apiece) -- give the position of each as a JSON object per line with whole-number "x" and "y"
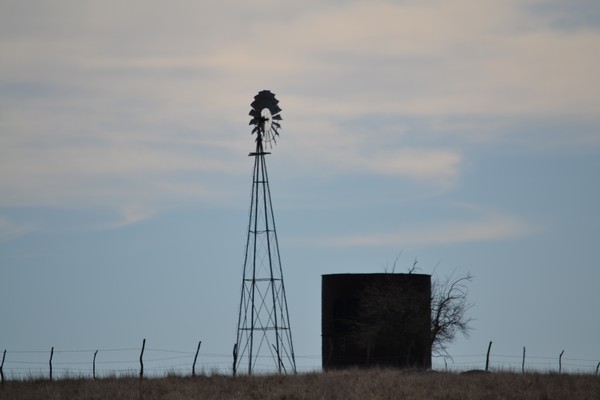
{"x": 513, "y": 363}
{"x": 157, "y": 362}
{"x": 123, "y": 362}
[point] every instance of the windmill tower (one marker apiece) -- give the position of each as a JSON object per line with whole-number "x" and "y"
{"x": 264, "y": 337}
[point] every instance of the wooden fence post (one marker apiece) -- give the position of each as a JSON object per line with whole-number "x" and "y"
{"x": 4, "y": 356}
{"x": 487, "y": 357}
{"x": 523, "y": 363}
{"x": 560, "y": 362}
{"x": 597, "y": 365}
{"x": 50, "y": 362}
{"x": 141, "y": 360}
{"x": 235, "y": 354}
{"x": 195, "y": 358}
{"x": 94, "y": 365}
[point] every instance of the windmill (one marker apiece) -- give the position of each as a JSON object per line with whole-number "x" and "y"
{"x": 264, "y": 337}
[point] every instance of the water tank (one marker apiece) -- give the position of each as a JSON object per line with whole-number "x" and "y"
{"x": 376, "y": 320}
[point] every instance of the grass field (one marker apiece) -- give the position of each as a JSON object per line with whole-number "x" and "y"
{"x": 347, "y": 385}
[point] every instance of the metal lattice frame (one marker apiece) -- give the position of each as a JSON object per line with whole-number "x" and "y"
{"x": 263, "y": 329}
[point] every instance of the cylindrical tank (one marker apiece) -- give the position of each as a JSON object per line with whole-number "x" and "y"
{"x": 376, "y": 320}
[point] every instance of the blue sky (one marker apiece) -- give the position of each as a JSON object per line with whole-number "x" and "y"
{"x": 465, "y": 134}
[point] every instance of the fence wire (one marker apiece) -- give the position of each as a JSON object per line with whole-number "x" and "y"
{"x": 118, "y": 362}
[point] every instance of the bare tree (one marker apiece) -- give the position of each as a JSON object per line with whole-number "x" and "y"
{"x": 449, "y": 306}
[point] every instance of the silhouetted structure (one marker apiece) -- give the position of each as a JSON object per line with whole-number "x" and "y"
{"x": 263, "y": 328}
{"x": 376, "y": 319}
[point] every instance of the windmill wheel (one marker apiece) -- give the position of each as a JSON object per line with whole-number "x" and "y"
{"x": 265, "y": 115}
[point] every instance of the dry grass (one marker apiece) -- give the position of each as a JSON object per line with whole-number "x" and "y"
{"x": 346, "y": 385}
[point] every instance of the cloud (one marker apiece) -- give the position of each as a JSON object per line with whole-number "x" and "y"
{"x": 424, "y": 58}
{"x": 9, "y": 230}
{"x": 130, "y": 214}
{"x": 489, "y": 228}
{"x": 328, "y": 149}
{"x": 419, "y": 164}
{"x": 124, "y": 171}
{"x": 123, "y": 102}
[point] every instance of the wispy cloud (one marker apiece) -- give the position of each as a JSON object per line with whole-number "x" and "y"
{"x": 419, "y": 164}
{"x": 489, "y": 228}
{"x": 10, "y": 230}
{"x": 425, "y": 58}
{"x": 116, "y": 101}
{"x": 130, "y": 214}
{"x": 328, "y": 149}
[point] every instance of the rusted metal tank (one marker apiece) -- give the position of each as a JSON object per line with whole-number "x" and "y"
{"x": 376, "y": 320}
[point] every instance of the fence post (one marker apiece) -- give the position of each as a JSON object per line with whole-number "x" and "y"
{"x": 195, "y": 358}
{"x": 523, "y": 363}
{"x": 487, "y": 357}
{"x": 50, "y": 362}
{"x": 141, "y": 360}
{"x": 235, "y": 354}
{"x": 94, "y": 365}
{"x": 560, "y": 362}
{"x": 4, "y": 356}
{"x": 597, "y": 365}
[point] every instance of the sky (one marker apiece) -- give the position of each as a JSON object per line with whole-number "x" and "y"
{"x": 464, "y": 134}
